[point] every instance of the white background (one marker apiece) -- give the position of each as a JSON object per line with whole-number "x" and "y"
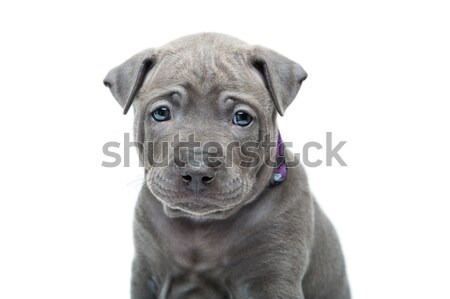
{"x": 379, "y": 76}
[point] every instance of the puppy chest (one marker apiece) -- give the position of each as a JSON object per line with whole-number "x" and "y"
{"x": 193, "y": 255}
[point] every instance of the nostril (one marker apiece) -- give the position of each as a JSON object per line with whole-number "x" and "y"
{"x": 186, "y": 178}
{"x": 207, "y": 179}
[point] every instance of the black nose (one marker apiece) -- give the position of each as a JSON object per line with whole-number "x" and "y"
{"x": 197, "y": 178}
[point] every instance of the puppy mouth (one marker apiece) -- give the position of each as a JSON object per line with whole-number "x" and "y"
{"x": 205, "y": 203}
{"x": 195, "y": 209}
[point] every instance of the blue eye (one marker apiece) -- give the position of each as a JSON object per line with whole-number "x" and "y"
{"x": 161, "y": 114}
{"x": 242, "y": 118}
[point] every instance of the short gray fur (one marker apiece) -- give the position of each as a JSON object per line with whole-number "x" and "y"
{"x": 237, "y": 236}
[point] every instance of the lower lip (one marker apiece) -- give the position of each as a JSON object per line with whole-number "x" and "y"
{"x": 203, "y": 210}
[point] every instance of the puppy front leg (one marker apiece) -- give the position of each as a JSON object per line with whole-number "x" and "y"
{"x": 143, "y": 285}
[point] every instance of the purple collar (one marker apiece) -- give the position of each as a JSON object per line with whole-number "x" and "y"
{"x": 280, "y": 171}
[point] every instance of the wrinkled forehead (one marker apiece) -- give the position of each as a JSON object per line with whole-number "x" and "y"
{"x": 206, "y": 70}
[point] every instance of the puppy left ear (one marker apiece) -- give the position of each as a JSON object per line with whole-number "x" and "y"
{"x": 125, "y": 80}
{"x": 282, "y": 76}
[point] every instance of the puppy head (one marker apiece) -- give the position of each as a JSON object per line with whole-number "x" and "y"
{"x": 203, "y": 104}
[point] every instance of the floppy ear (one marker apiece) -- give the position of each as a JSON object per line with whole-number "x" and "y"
{"x": 125, "y": 80}
{"x": 282, "y": 76}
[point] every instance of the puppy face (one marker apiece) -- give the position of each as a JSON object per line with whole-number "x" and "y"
{"x": 211, "y": 105}
{"x": 202, "y": 108}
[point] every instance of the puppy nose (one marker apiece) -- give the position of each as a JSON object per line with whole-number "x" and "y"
{"x": 197, "y": 178}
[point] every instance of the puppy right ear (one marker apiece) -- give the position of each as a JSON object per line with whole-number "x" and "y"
{"x": 282, "y": 76}
{"x": 125, "y": 80}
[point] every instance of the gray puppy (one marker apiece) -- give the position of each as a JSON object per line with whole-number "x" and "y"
{"x": 222, "y": 227}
